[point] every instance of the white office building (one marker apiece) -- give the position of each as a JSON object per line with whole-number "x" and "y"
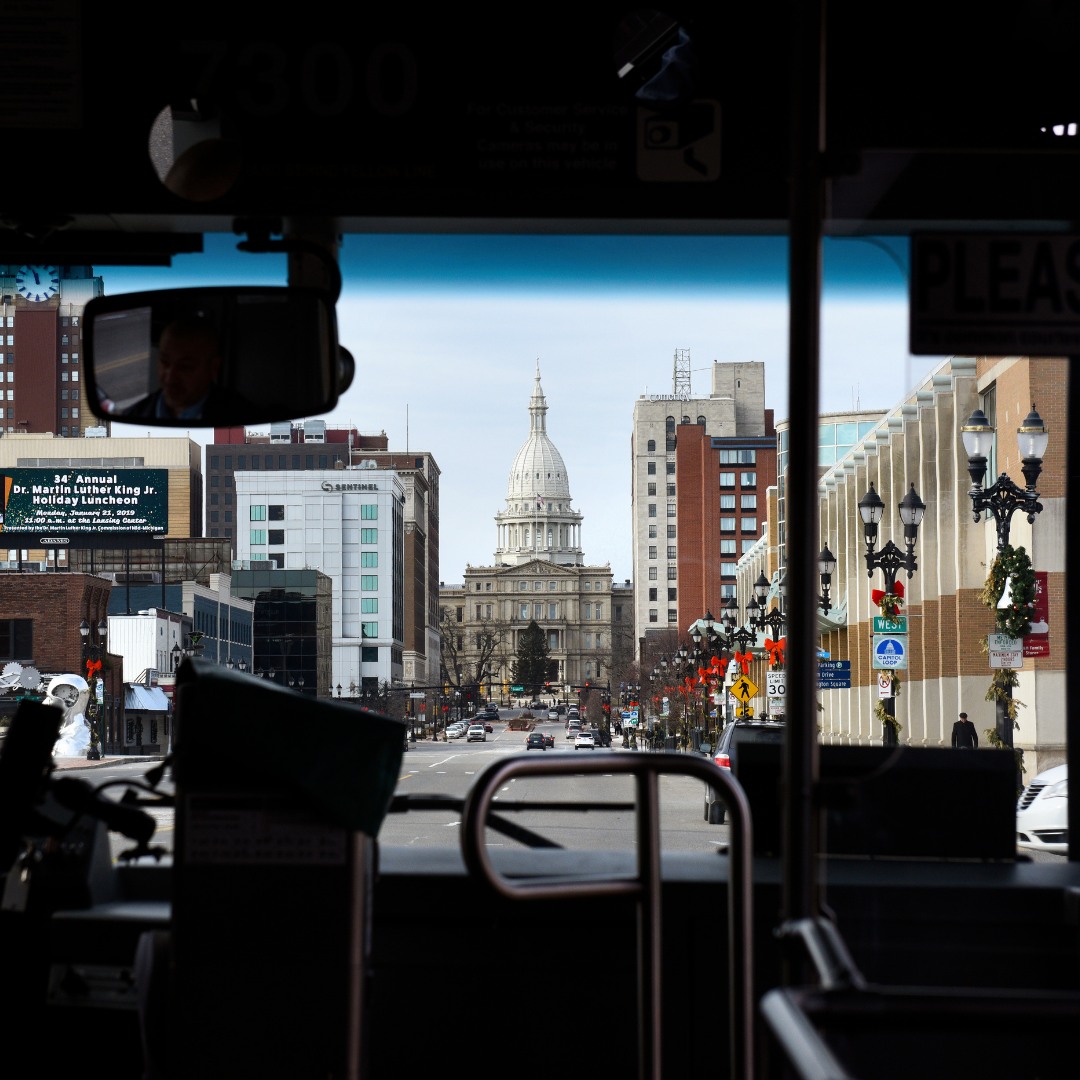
{"x": 348, "y": 523}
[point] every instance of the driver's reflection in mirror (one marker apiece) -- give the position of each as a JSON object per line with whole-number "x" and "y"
{"x": 188, "y": 367}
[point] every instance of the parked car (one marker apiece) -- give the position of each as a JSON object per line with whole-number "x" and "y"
{"x": 1042, "y": 812}
{"x": 738, "y": 731}
{"x": 535, "y": 741}
{"x": 549, "y": 739}
{"x": 584, "y": 739}
{"x": 476, "y": 733}
{"x": 457, "y": 731}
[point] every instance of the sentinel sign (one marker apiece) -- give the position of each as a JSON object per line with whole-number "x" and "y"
{"x": 83, "y": 501}
{"x": 995, "y": 295}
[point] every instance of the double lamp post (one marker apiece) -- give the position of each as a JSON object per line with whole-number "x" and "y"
{"x": 1003, "y": 499}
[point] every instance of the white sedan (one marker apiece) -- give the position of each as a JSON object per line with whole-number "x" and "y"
{"x": 1042, "y": 812}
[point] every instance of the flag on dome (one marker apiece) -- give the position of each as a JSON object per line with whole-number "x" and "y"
{"x": 539, "y": 502}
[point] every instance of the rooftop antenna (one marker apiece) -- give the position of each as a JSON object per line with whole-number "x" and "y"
{"x": 680, "y": 377}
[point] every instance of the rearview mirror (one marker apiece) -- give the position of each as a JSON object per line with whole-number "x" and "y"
{"x": 213, "y": 357}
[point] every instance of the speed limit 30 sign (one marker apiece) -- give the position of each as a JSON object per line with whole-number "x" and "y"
{"x": 775, "y": 683}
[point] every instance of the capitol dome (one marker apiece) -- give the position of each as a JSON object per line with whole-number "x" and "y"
{"x": 539, "y": 521}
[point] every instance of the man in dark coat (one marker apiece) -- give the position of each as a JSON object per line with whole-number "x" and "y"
{"x": 964, "y": 736}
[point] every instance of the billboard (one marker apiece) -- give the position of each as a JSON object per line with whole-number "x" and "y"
{"x": 83, "y": 501}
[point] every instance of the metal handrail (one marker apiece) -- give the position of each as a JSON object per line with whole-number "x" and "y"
{"x": 644, "y": 885}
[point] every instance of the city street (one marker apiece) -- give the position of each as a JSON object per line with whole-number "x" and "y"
{"x": 449, "y": 769}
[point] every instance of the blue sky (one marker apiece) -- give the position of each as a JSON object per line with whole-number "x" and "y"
{"x": 447, "y": 330}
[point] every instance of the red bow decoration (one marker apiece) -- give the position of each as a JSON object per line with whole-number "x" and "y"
{"x": 92, "y": 668}
{"x": 775, "y": 649}
{"x": 743, "y": 660}
{"x": 889, "y": 603}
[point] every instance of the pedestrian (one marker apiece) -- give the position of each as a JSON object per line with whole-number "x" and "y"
{"x": 964, "y": 736}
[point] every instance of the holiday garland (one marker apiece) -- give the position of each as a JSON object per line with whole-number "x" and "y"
{"x": 1014, "y": 563}
{"x": 1014, "y": 620}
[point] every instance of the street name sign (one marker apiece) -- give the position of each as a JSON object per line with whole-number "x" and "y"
{"x": 1006, "y": 651}
{"x": 890, "y": 652}
{"x": 884, "y": 624}
{"x": 834, "y": 675}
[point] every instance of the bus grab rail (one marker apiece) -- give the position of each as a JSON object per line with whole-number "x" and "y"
{"x": 644, "y": 885}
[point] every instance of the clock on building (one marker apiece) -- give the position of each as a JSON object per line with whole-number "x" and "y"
{"x": 37, "y": 281}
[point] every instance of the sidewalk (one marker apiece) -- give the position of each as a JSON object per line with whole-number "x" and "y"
{"x": 62, "y": 763}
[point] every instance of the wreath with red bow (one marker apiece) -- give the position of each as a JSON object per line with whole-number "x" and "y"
{"x": 889, "y": 603}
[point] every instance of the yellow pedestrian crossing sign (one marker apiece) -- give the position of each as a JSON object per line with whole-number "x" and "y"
{"x": 743, "y": 688}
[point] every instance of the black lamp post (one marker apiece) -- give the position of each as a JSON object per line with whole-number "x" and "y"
{"x": 735, "y": 637}
{"x": 826, "y": 564}
{"x": 93, "y": 652}
{"x": 1003, "y": 498}
{"x": 708, "y": 641}
{"x": 890, "y": 560}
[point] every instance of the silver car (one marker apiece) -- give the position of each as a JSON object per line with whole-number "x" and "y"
{"x": 476, "y": 733}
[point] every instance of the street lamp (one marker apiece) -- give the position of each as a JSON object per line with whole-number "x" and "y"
{"x": 891, "y": 559}
{"x": 91, "y": 654}
{"x": 1002, "y": 499}
{"x": 826, "y": 564}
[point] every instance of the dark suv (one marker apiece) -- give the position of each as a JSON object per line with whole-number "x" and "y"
{"x": 738, "y": 731}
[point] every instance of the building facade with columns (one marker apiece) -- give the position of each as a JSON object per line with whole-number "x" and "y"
{"x": 948, "y": 669}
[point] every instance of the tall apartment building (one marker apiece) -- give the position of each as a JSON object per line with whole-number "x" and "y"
{"x": 350, "y": 524}
{"x": 312, "y": 446}
{"x": 700, "y": 468}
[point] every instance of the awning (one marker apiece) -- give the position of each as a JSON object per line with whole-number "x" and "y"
{"x": 145, "y": 698}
